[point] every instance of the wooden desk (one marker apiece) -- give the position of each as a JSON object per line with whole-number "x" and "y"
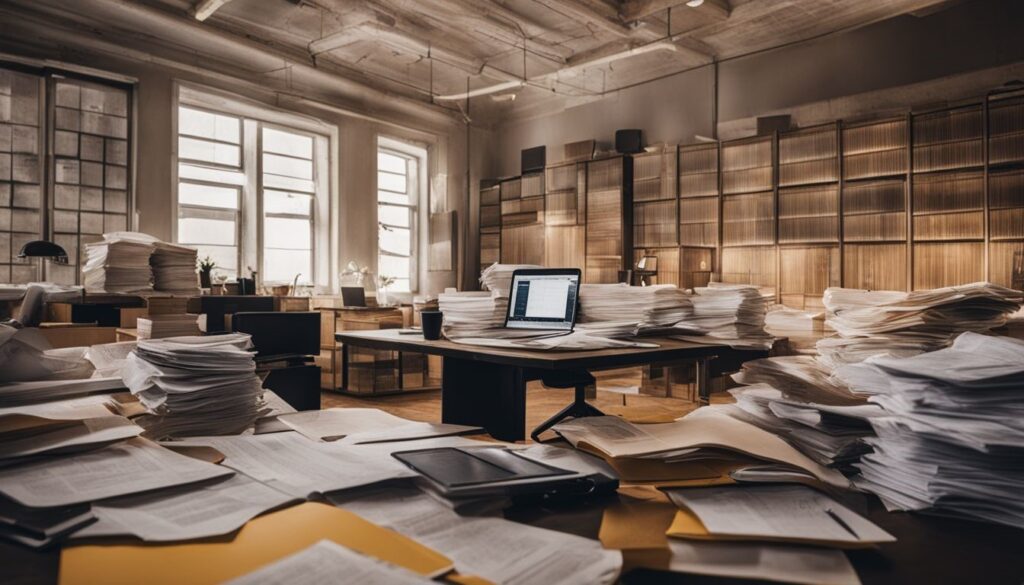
{"x": 486, "y": 386}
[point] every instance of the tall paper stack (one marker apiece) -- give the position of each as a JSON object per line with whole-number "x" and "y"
{"x": 119, "y": 264}
{"x": 903, "y": 324}
{"x": 952, "y": 436}
{"x": 174, "y": 269}
{"x": 195, "y": 386}
{"x": 620, "y": 310}
{"x": 733, "y": 314}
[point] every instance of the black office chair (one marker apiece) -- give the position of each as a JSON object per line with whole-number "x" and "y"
{"x": 578, "y": 379}
{"x": 285, "y": 346}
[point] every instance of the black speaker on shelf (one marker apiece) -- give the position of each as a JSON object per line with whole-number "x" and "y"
{"x": 629, "y": 141}
{"x": 533, "y": 159}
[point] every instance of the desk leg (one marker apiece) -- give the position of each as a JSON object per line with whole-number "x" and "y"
{"x": 488, "y": 395}
{"x": 703, "y": 388}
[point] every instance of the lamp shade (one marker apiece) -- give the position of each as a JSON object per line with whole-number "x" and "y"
{"x": 43, "y": 249}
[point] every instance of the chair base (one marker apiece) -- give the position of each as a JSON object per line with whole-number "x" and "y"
{"x": 578, "y": 409}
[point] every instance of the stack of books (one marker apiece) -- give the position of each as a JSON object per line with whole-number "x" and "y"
{"x": 194, "y": 386}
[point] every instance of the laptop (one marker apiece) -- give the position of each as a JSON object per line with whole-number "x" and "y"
{"x": 544, "y": 299}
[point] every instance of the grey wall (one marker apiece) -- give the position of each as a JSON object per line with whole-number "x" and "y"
{"x": 970, "y": 36}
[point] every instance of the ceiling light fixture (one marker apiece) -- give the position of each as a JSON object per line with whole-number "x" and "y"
{"x": 694, "y": 3}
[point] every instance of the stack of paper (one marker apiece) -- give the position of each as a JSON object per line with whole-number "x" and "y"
{"x": 41, "y": 527}
{"x": 472, "y": 314}
{"x": 799, "y": 377}
{"x": 833, "y": 436}
{"x": 704, "y": 445}
{"x": 174, "y": 268}
{"x": 952, "y": 437}
{"x": 497, "y": 278}
{"x": 119, "y": 264}
{"x": 620, "y": 310}
{"x": 21, "y": 437}
{"x": 160, "y": 326}
{"x": 733, "y": 314}
{"x": 195, "y": 385}
{"x": 903, "y": 324}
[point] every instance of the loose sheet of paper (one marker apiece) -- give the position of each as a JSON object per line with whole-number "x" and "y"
{"x": 769, "y": 562}
{"x": 365, "y": 425}
{"x": 493, "y": 548}
{"x": 129, "y": 467}
{"x": 74, "y": 436}
{"x": 329, "y": 563}
{"x": 196, "y": 511}
{"x": 297, "y": 466}
{"x": 776, "y": 512}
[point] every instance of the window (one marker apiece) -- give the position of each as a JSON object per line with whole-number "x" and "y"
{"x": 248, "y": 195}
{"x": 85, "y": 125}
{"x": 398, "y": 188}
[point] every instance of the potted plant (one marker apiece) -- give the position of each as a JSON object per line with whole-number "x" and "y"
{"x": 206, "y": 266}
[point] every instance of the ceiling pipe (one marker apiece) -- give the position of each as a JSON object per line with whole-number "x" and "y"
{"x": 596, "y": 61}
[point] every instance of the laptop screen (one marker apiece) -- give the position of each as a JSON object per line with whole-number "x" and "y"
{"x": 543, "y": 299}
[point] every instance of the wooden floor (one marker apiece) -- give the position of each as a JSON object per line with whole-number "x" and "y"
{"x": 541, "y": 402}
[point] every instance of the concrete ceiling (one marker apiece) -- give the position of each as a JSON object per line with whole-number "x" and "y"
{"x": 545, "y": 52}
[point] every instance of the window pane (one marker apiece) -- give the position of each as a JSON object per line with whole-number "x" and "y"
{"x": 225, "y": 258}
{"x": 209, "y": 125}
{"x": 283, "y": 265}
{"x": 395, "y": 241}
{"x": 200, "y": 230}
{"x": 291, "y": 203}
{"x": 288, "y": 184}
{"x": 206, "y": 151}
{"x": 287, "y": 143}
{"x": 391, "y": 182}
{"x": 389, "y": 162}
{"x": 187, "y": 171}
{"x": 400, "y": 285}
{"x": 287, "y": 166}
{"x": 207, "y": 195}
{"x": 292, "y": 234}
{"x": 394, "y": 266}
{"x": 393, "y": 215}
{"x": 389, "y": 197}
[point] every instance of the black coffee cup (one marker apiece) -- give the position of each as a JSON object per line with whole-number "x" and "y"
{"x": 431, "y": 323}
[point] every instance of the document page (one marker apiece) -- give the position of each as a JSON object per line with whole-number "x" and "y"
{"x": 195, "y": 511}
{"x": 496, "y": 549}
{"x": 130, "y": 467}
{"x": 777, "y": 512}
{"x": 366, "y": 425}
{"x": 771, "y": 562}
{"x": 329, "y": 563}
{"x": 297, "y": 466}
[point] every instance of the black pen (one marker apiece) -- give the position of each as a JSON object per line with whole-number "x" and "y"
{"x": 841, "y": 522}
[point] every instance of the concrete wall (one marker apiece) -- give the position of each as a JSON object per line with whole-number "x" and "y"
{"x": 902, "y": 52}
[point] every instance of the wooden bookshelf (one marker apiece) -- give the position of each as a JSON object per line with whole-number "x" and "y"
{"x": 875, "y": 149}
{"x": 609, "y": 223}
{"x": 655, "y": 210}
{"x": 564, "y": 216}
{"x": 804, "y": 274}
{"x": 809, "y": 156}
{"x": 667, "y": 264}
{"x": 1006, "y": 130}
{"x": 490, "y": 224}
{"x": 522, "y": 220}
{"x": 698, "y": 195}
{"x": 949, "y": 139}
{"x": 748, "y": 212}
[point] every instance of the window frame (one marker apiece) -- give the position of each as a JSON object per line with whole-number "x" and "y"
{"x": 413, "y": 207}
{"x": 254, "y": 117}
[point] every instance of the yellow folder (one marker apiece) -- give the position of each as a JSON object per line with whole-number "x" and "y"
{"x": 687, "y": 525}
{"x": 260, "y": 542}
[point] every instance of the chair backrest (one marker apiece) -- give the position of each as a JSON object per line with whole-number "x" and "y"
{"x": 31, "y": 314}
{"x": 217, "y": 306}
{"x": 280, "y": 335}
